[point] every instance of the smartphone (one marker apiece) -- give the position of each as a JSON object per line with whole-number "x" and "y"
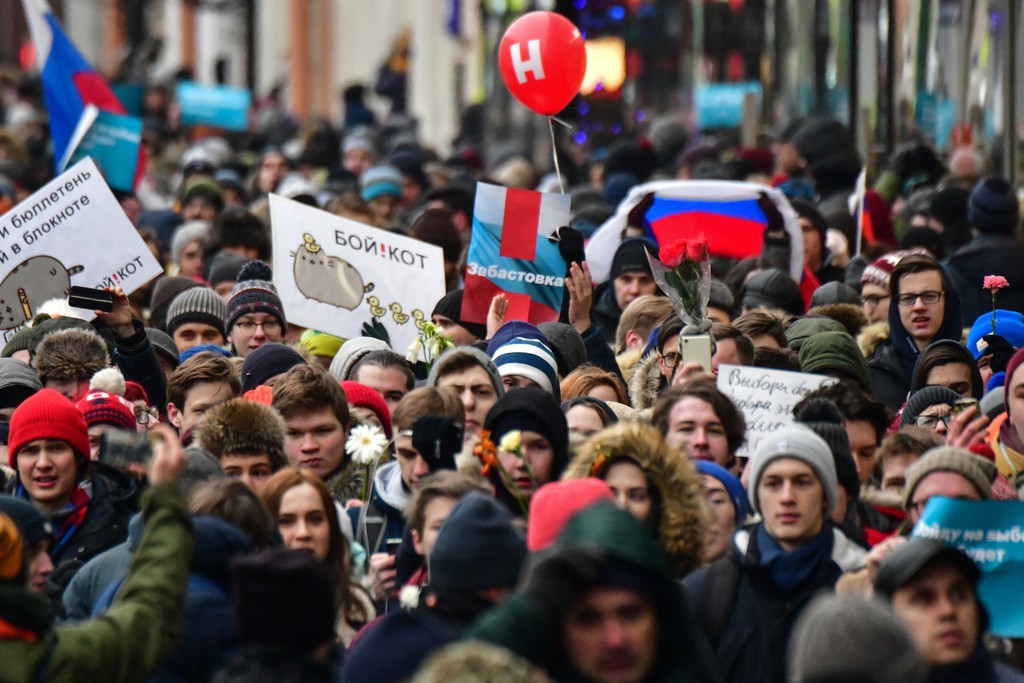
{"x": 122, "y": 449}
{"x": 696, "y": 349}
{"x": 963, "y": 404}
{"x": 90, "y": 299}
{"x": 392, "y": 545}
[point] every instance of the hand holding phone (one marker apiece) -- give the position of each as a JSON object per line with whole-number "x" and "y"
{"x": 90, "y": 299}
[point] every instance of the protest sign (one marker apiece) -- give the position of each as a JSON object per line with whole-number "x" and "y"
{"x": 111, "y": 141}
{"x": 214, "y": 105}
{"x": 765, "y": 397}
{"x": 72, "y": 231}
{"x": 334, "y": 274}
{"x": 511, "y": 253}
{"x": 720, "y": 105}
{"x": 992, "y": 534}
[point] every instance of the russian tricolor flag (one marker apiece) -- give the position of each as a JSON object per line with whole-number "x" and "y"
{"x": 69, "y": 82}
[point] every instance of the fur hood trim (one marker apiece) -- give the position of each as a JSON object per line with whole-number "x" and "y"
{"x": 243, "y": 426}
{"x": 683, "y": 513}
{"x": 627, "y": 362}
{"x": 73, "y": 354}
{"x": 645, "y": 383}
{"x": 871, "y": 336}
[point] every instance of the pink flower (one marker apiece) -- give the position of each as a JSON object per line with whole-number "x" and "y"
{"x": 994, "y": 283}
{"x": 698, "y": 250}
{"x": 672, "y": 254}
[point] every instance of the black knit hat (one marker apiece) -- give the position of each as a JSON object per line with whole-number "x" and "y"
{"x": 478, "y": 547}
{"x": 33, "y": 525}
{"x": 925, "y": 397}
{"x": 993, "y": 207}
{"x": 450, "y": 306}
{"x": 196, "y": 305}
{"x": 283, "y": 598}
{"x": 775, "y": 289}
{"x": 631, "y": 256}
{"x": 224, "y": 267}
{"x": 535, "y": 410}
{"x": 268, "y": 360}
{"x": 825, "y": 419}
{"x": 254, "y": 293}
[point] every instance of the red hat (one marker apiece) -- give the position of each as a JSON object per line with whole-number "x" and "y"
{"x": 555, "y": 503}
{"x": 362, "y": 396}
{"x": 104, "y": 408}
{"x": 133, "y": 391}
{"x": 48, "y": 414}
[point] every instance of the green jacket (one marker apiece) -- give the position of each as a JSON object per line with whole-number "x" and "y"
{"x": 131, "y": 639}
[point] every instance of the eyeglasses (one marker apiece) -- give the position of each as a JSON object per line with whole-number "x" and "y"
{"x": 144, "y": 415}
{"x": 872, "y": 300}
{"x": 670, "y": 360}
{"x": 910, "y": 298}
{"x": 931, "y": 421}
{"x": 269, "y": 326}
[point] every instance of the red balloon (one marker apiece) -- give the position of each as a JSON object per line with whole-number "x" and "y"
{"x": 542, "y": 60}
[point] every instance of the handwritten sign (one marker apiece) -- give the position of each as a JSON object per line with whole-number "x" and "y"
{"x": 334, "y": 274}
{"x": 992, "y": 534}
{"x": 71, "y": 231}
{"x": 765, "y": 397}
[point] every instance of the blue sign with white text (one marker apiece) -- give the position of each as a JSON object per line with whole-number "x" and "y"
{"x": 214, "y": 105}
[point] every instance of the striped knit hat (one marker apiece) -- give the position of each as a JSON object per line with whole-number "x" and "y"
{"x": 255, "y": 293}
{"x": 520, "y": 349}
{"x": 196, "y": 305}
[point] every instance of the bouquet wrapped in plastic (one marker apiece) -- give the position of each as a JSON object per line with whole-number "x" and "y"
{"x": 683, "y": 272}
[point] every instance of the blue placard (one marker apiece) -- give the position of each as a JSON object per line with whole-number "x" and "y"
{"x": 130, "y": 95}
{"x": 992, "y": 533}
{"x": 113, "y": 143}
{"x": 720, "y": 105}
{"x": 214, "y": 105}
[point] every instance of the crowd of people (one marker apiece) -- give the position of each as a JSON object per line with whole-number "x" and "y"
{"x": 198, "y": 489}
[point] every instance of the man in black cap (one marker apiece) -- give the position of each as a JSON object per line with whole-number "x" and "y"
{"x": 933, "y": 590}
{"x": 630, "y": 278}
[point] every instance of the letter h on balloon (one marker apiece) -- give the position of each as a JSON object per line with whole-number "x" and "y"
{"x": 532, "y": 65}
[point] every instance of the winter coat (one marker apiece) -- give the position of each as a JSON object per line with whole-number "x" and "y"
{"x": 137, "y": 634}
{"x": 751, "y": 647}
{"x": 382, "y": 518}
{"x": 606, "y": 312}
{"x": 682, "y": 513}
{"x": 97, "y": 574}
{"x": 888, "y": 379}
{"x": 138, "y": 362}
{"x": 987, "y": 255}
{"x": 646, "y": 383}
{"x": 530, "y": 625}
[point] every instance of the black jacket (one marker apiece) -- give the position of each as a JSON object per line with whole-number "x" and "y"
{"x": 987, "y": 255}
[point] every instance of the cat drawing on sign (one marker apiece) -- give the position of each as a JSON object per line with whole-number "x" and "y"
{"x": 327, "y": 279}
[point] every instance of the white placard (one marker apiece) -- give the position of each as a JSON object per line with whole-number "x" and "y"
{"x": 334, "y": 274}
{"x": 70, "y": 232}
{"x": 766, "y": 397}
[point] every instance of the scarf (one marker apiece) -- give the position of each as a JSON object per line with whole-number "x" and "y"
{"x": 1010, "y": 451}
{"x": 67, "y": 520}
{"x": 790, "y": 569}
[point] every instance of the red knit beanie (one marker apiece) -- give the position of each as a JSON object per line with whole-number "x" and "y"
{"x": 104, "y": 408}
{"x": 362, "y": 396}
{"x": 133, "y": 391}
{"x": 47, "y": 414}
{"x": 555, "y": 503}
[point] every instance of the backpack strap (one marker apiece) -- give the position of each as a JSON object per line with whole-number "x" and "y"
{"x": 719, "y": 597}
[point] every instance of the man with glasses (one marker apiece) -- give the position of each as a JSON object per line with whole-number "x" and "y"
{"x": 255, "y": 315}
{"x": 923, "y": 307}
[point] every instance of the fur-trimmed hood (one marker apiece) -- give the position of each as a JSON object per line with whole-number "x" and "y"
{"x": 683, "y": 514}
{"x": 74, "y": 354}
{"x": 646, "y": 383}
{"x": 627, "y": 362}
{"x": 871, "y": 336}
{"x": 243, "y": 426}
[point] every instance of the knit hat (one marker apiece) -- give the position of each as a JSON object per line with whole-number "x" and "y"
{"x": 822, "y": 416}
{"x": 805, "y": 209}
{"x": 33, "y": 525}
{"x": 906, "y": 560}
{"x": 19, "y": 341}
{"x": 185, "y": 234}
{"x": 165, "y": 290}
{"x": 438, "y": 369}
{"x": 834, "y": 293}
{"x": 1009, "y": 326}
{"x": 17, "y": 382}
{"x": 875, "y": 645}
{"x": 519, "y": 348}
{"x": 975, "y": 469}
{"x": 104, "y": 408}
{"x": 362, "y": 396}
{"x": 269, "y": 360}
{"x": 535, "y": 410}
{"x": 224, "y": 267}
{"x": 320, "y": 344}
{"x": 631, "y": 256}
{"x": 803, "y": 329}
{"x": 283, "y": 598}
{"x": 72, "y": 354}
{"x": 880, "y": 270}
{"x": 381, "y": 181}
{"x": 48, "y": 415}
{"x": 722, "y": 297}
{"x": 164, "y": 346}
{"x": 12, "y": 550}
{"x": 206, "y": 189}
{"x": 351, "y": 352}
{"x": 133, "y": 391}
{"x": 993, "y": 207}
{"x": 478, "y": 547}
{"x": 554, "y": 504}
{"x": 358, "y": 141}
{"x": 196, "y": 305}
{"x": 838, "y": 352}
{"x": 450, "y": 306}
{"x": 239, "y": 426}
{"x": 567, "y": 344}
{"x": 799, "y": 442}
{"x": 924, "y": 397}
{"x": 254, "y": 293}
{"x": 203, "y": 348}
{"x": 740, "y": 501}
{"x": 774, "y": 289}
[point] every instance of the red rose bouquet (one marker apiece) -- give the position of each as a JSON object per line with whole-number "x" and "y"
{"x": 683, "y": 272}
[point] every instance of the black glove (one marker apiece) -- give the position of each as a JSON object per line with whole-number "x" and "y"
{"x": 438, "y": 439}
{"x": 570, "y": 245}
{"x": 1000, "y": 350}
{"x": 376, "y": 329}
{"x": 637, "y": 217}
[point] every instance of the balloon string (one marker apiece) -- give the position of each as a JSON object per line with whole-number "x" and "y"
{"x": 554, "y": 153}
